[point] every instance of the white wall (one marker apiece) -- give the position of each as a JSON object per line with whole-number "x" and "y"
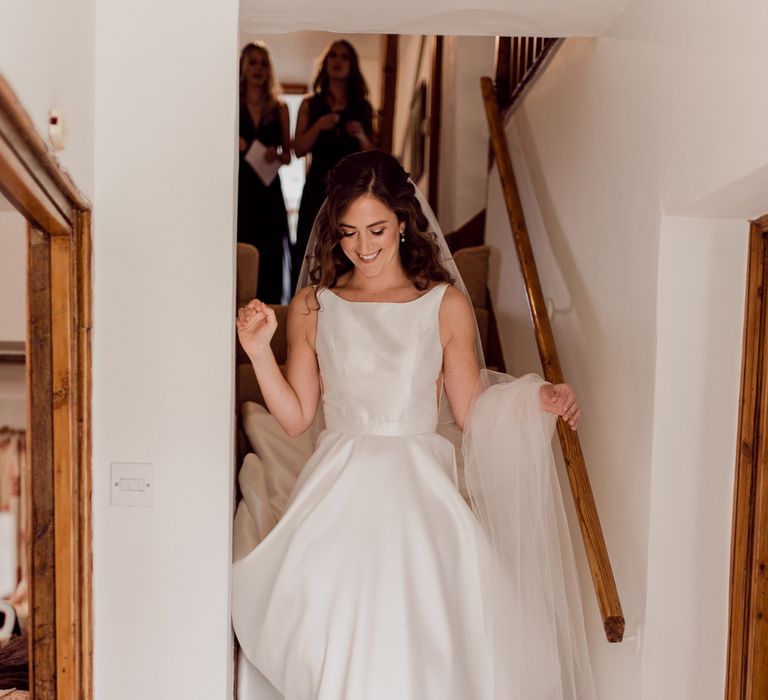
{"x": 464, "y": 133}
{"x": 617, "y": 136}
{"x": 163, "y": 190}
{"x": 165, "y": 145}
{"x": 702, "y": 277}
{"x": 46, "y": 54}
{"x": 295, "y": 56}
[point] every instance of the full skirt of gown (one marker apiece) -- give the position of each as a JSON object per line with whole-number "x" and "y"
{"x": 374, "y": 583}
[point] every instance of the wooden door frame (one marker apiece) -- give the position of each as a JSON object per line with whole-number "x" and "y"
{"x": 435, "y": 124}
{"x": 388, "y": 93}
{"x": 747, "y": 663}
{"x": 59, "y": 291}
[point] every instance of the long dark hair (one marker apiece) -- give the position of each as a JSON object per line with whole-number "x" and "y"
{"x": 379, "y": 175}
{"x": 357, "y": 90}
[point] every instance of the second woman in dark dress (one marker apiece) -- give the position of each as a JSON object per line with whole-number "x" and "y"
{"x": 261, "y": 217}
{"x": 336, "y": 120}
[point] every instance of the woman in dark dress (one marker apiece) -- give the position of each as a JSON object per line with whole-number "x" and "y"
{"x": 334, "y": 121}
{"x": 261, "y": 217}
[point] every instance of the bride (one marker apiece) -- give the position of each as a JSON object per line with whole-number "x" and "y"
{"x": 379, "y": 582}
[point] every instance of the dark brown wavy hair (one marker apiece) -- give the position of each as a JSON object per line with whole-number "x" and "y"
{"x": 380, "y": 175}
{"x": 357, "y": 90}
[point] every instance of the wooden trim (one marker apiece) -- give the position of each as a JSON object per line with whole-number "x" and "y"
{"x": 294, "y": 88}
{"x": 591, "y": 530}
{"x": 389, "y": 55}
{"x": 540, "y": 51}
{"x": 65, "y": 460}
{"x": 35, "y": 153}
{"x": 435, "y": 124}
{"x": 503, "y": 70}
{"x": 518, "y": 60}
{"x": 59, "y": 419}
{"x": 27, "y": 195}
{"x": 41, "y": 546}
{"x": 84, "y": 280}
{"x": 12, "y": 359}
{"x": 747, "y": 662}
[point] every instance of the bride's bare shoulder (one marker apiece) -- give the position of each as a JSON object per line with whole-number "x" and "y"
{"x": 456, "y": 314}
{"x": 455, "y": 300}
{"x": 304, "y": 303}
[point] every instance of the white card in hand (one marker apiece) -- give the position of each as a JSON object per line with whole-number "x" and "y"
{"x": 255, "y": 158}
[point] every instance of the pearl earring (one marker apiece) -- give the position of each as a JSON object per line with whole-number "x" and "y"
{"x": 402, "y": 236}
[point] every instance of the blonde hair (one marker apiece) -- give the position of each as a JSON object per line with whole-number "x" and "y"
{"x": 271, "y": 98}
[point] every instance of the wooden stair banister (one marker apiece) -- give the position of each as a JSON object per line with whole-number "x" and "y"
{"x": 589, "y": 522}
{"x": 517, "y": 61}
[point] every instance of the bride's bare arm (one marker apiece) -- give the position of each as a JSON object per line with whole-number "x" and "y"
{"x": 292, "y": 399}
{"x": 460, "y": 367}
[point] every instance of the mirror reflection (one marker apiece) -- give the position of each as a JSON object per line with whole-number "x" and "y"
{"x": 14, "y": 594}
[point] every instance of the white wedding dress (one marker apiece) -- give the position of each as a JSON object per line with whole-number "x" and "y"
{"x": 369, "y": 587}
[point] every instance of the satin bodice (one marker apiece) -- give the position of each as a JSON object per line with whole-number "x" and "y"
{"x": 379, "y": 363}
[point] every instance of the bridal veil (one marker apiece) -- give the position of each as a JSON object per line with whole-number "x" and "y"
{"x": 533, "y": 607}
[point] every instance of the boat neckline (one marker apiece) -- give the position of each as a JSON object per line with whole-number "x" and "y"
{"x": 393, "y": 303}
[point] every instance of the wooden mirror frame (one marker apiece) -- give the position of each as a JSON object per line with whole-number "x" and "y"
{"x": 59, "y": 291}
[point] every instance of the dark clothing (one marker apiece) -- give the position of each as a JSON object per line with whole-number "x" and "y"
{"x": 329, "y": 148}
{"x": 261, "y": 217}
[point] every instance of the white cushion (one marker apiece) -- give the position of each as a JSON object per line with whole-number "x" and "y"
{"x": 268, "y": 475}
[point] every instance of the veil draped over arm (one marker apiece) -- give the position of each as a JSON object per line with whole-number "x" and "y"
{"x": 533, "y": 608}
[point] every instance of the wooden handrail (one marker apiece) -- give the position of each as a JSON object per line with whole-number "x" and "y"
{"x": 594, "y": 543}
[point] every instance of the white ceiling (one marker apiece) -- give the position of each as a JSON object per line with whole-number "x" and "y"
{"x": 556, "y": 18}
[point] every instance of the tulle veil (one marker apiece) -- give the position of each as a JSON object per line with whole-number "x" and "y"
{"x": 533, "y": 607}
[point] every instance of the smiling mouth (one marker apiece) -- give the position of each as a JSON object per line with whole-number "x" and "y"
{"x": 369, "y": 258}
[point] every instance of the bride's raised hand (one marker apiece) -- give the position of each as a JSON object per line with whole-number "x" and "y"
{"x": 560, "y": 399}
{"x": 256, "y": 324}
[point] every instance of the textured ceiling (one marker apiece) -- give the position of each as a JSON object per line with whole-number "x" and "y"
{"x": 558, "y": 18}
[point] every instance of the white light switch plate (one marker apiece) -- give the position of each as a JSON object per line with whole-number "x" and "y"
{"x": 132, "y": 484}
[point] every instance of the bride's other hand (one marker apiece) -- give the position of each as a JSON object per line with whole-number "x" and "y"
{"x": 256, "y": 324}
{"x": 560, "y": 399}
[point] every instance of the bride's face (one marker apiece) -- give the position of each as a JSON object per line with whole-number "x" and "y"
{"x": 370, "y": 236}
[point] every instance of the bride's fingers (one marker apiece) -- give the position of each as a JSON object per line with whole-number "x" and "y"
{"x": 249, "y": 317}
{"x": 267, "y": 310}
{"x": 256, "y": 319}
{"x": 573, "y": 421}
{"x": 571, "y": 415}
